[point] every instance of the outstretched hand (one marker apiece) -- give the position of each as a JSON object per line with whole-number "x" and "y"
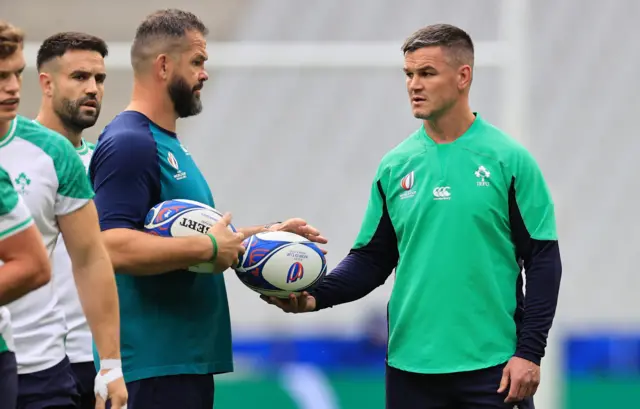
{"x": 293, "y": 304}
{"x": 301, "y": 228}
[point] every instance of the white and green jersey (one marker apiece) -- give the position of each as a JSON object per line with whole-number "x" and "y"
{"x": 14, "y": 218}
{"x": 78, "y": 342}
{"x": 51, "y": 179}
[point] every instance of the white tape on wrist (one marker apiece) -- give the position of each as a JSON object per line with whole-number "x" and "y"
{"x": 103, "y": 380}
{"x": 107, "y": 364}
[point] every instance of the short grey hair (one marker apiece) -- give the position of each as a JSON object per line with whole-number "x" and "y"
{"x": 163, "y": 32}
{"x": 455, "y": 40}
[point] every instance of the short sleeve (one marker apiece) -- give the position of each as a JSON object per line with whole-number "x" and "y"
{"x": 533, "y": 199}
{"x": 14, "y": 215}
{"x": 74, "y": 189}
{"x": 125, "y": 175}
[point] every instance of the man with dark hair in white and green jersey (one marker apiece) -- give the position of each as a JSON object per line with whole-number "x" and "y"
{"x": 458, "y": 209}
{"x": 72, "y": 75}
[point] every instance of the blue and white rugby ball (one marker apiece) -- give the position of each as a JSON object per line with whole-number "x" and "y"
{"x": 280, "y": 263}
{"x": 182, "y": 218}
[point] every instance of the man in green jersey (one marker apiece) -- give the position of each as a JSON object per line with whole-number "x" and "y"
{"x": 458, "y": 209}
{"x": 24, "y": 267}
{"x": 53, "y": 183}
{"x": 72, "y": 75}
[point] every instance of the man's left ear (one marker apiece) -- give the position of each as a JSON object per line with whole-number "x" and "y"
{"x": 46, "y": 84}
{"x": 464, "y": 75}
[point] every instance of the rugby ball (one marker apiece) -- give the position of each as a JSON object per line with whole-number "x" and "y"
{"x": 280, "y": 263}
{"x": 182, "y": 218}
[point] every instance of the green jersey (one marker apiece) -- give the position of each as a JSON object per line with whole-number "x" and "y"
{"x": 51, "y": 179}
{"x": 454, "y": 212}
{"x": 14, "y": 214}
{"x": 14, "y": 218}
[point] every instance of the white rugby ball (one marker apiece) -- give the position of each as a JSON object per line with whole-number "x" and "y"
{"x": 182, "y": 218}
{"x": 281, "y": 263}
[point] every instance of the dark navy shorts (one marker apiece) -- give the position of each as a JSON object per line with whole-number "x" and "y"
{"x": 171, "y": 392}
{"x": 85, "y": 375}
{"x": 462, "y": 390}
{"x": 8, "y": 380}
{"x": 52, "y": 388}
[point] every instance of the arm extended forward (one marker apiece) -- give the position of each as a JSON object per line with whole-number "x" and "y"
{"x": 369, "y": 263}
{"x": 357, "y": 275}
{"x": 366, "y": 267}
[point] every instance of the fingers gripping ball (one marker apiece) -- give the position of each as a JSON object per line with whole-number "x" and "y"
{"x": 280, "y": 263}
{"x": 182, "y": 218}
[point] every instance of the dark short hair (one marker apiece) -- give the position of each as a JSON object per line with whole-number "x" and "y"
{"x": 164, "y": 27}
{"x": 58, "y": 44}
{"x": 11, "y": 38}
{"x": 452, "y": 38}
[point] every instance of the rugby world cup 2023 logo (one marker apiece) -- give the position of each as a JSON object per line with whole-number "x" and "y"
{"x": 295, "y": 273}
{"x": 407, "y": 184}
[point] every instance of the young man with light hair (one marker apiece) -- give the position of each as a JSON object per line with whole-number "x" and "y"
{"x": 52, "y": 181}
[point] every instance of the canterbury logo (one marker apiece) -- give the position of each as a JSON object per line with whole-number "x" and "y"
{"x": 442, "y": 193}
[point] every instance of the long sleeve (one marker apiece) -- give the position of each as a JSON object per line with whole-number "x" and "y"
{"x": 543, "y": 272}
{"x": 370, "y": 261}
{"x": 533, "y": 226}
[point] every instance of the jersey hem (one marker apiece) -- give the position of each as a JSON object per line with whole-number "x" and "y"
{"x": 29, "y": 369}
{"x": 80, "y": 351}
{"x": 80, "y": 359}
{"x": 211, "y": 368}
{"x": 107, "y": 225}
{"x": 447, "y": 370}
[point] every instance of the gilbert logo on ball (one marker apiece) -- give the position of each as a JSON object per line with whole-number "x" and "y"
{"x": 182, "y": 218}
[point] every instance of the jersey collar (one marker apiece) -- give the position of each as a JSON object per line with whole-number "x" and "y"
{"x": 9, "y": 135}
{"x": 468, "y": 133}
{"x": 83, "y": 148}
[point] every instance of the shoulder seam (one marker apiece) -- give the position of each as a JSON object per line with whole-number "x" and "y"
{"x": 483, "y": 154}
{"x": 405, "y": 141}
{"x": 405, "y": 159}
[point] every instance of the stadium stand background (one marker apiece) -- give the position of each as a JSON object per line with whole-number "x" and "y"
{"x": 279, "y": 142}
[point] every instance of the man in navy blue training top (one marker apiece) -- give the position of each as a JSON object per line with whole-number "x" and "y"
{"x": 176, "y": 330}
